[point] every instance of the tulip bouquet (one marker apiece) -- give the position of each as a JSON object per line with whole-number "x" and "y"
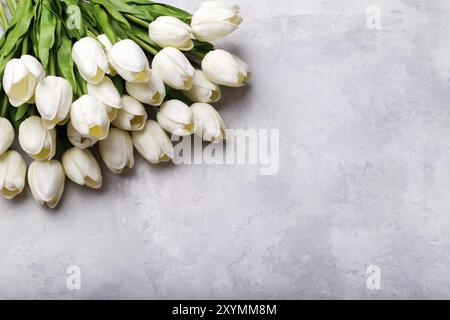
{"x": 82, "y": 73}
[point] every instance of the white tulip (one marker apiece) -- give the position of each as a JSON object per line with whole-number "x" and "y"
{"x": 174, "y": 68}
{"x": 215, "y": 19}
{"x": 81, "y": 167}
{"x": 53, "y": 100}
{"x": 106, "y": 92}
{"x": 225, "y": 69}
{"x": 132, "y": 116}
{"x": 77, "y": 139}
{"x": 117, "y": 151}
{"x": 153, "y": 143}
{"x": 90, "y": 59}
{"x": 6, "y": 135}
{"x": 89, "y": 117}
{"x": 151, "y": 92}
{"x": 130, "y": 62}
{"x": 203, "y": 90}
{"x": 176, "y": 117}
{"x": 46, "y": 180}
{"x": 36, "y": 140}
{"x": 20, "y": 79}
{"x": 208, "y": 122}
{"x": 12, "y": 174}
{"x": 107, "y": 46}
{"x": 169, "y": 31}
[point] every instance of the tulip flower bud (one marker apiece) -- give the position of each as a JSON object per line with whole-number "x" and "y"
{"x": 106, "y": 92}
{"x": 168, "y": 31}
{"x": 174, "y": 68}
{"x": 130, "y": 61}
{"x": 53, "y": 100}
{"x": 36, "y": 140}
{"x": 151, "y": 92}
{"x": 225, "y": 69}
{"x": 214, "y": 20}
{"x": 209, "y": 125}
{"x": 89, "y": 117}
{"x": 81, "y": 167}
{"x": 176, "y": 117}
{"x": 46, "y": 180}
{"x": 132, "y": 116}
{"x": 117, "y": 151}
{"x": 107, "y": 46}
{"x": 203, "y": 90}
{"x": 6, "y": 135}
{"x": 90, "y": 59}
{"x": 77, "y": 139}
{"x": 12, "y": 174}
{"x": 20, "y": 79}
{"x": 153, "y": 143}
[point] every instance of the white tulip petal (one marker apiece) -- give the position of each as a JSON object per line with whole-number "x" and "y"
{"x": 117, "y": 151}
{"x": 223, "y": 68}
{"x": 106, "y": 92}
{"x": 151, "y": 92}
{"x": 168, "y": 31}
{"x": 153, "y": 143}
{"x": 12, "y": 174}
{"x": 208, "y": 122}
{"x": 82, "y": 168}
{"x": 20, "y": 79}
{"x": 77, "y": 140}
{"x": 53, "y": 100}
{"x": 90, "y": 118}
{"x": 46, "y": 180}
{"x": 130, "y": 61}
{"x": 175, "y": 128}
{"x": 132, "y": 116}
{"x": 174, "y": 68}
{"x": 129, "y": 55}
{"x": 104, "y": 40}
{"x": 203, "y": 90}
{"x": 15, "y": 72}
{"x": 36, "y": 140}
{"x": 6, "y": 135}
{"x": 214, "y": 20}
{"x": 176, "y": 117}
{"x": 90, "y": 59}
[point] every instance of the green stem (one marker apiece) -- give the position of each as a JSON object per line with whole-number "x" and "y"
{"x": 25, "y": 45}
{"x": 92, "y": 33}
{"x": 136, "y": 20}
{"x": 144, "y": 45}
{"x": 51, "y": 64}
{"x": 4, "y": 109}
{"x": 11, "y": 4}
{"x": 82, "y": 86}
{"x": 3, "y": 20}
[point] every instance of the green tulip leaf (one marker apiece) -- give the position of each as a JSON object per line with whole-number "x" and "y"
{"x": 21, "y": 112}
{"x": 65, "y": 64}
{"x": 46, "y": 36}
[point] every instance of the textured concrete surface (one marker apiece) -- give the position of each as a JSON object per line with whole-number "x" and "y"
{"x": 364, "y": 176}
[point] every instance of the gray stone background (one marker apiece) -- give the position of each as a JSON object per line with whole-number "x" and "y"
{"x": 364, "y": 176}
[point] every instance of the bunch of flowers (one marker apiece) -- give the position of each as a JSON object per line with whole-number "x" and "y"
{"x": 82, "y": 73}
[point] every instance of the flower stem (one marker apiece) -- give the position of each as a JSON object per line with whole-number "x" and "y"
{"x": 82, "y": 86}
{"x": 3, "y": 20}
{"x": 136, "y": 20}
{"x": 51, "y": 64}
{"x": 25, "y": 45}
{"x": 144, "y": 45}
{"x": 92, "y": 33}
{"x": 12, "y": 6}
{"x": 4, "y": 107}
